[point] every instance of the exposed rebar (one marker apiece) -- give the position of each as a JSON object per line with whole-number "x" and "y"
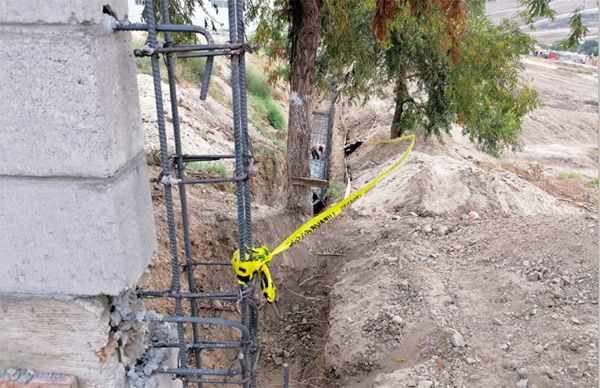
{"x": 164, "y": 157}
{"x": 246, "y": 349}
{"x": 187, "y": 245}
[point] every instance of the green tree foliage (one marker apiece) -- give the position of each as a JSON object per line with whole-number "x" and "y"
{"x": 578, "y": 30}
{"x": 479, "y": 87}
{"x": 182, "y": 12}
{"x": 536, "y": 9}
{"x": 485, "y": 89}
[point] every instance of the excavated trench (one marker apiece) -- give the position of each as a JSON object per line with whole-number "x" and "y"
{"x": 294, "y": 329}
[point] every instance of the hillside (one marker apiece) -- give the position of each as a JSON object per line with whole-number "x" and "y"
{"x": 548, "y": 32}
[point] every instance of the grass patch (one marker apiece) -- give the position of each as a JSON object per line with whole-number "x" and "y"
{"x": 192, "y": 69}
{"x": 143, "y": 65}
{"x": 210, "y": 168}
{"x": 569, "y": 175}
{"x": 267, "y": 108}
{"x": 220, "y": 97}
{"x": 257, "y": 83}
{"x": 592, "y": 183}
{"x": 336, "y": 191}
{"x": 186, "y": 69}
{"x": 260, "y": 97}
{"x": 265, "y": 152}
{"x": 263, "y": 131}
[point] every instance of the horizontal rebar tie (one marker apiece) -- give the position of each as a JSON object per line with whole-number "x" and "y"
{"x": 202, "y": 345}
{"x": 200, "y": 372}
{"x": 190, "y": 295}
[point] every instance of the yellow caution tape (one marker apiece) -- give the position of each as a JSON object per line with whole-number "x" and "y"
{"x": 261, "y": 256}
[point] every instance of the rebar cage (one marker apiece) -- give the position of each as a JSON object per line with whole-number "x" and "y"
{"x": 190, "y": 370}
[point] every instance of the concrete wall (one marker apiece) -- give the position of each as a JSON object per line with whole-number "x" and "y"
{"x": 75, "y": 208}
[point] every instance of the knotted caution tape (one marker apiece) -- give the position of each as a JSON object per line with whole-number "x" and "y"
{"x": 261, "y": 256}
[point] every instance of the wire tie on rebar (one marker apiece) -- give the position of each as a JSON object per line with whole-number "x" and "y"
{"x": 246, "y": 48}
{"x": 146, "y": 51}
{"x": 169, "y": 180}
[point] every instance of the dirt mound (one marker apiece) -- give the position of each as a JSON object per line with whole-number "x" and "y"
{"x": 486, "y": 303}
{"x": 435, "y": 185}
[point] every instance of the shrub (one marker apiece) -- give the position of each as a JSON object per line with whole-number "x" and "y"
{"x": 209, "y": 168}
{"x": 257, "y": 84}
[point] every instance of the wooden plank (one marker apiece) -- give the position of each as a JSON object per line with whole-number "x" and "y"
{"x": 309, "y": 182}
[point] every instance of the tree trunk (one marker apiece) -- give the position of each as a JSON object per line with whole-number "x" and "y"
{"x": 402, "y": 97}
{"x": 306, "y": 28}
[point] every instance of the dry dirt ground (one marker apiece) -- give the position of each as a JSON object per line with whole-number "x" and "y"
{"x": 405, "y": 290}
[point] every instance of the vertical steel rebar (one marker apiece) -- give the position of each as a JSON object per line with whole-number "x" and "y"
{"x": 244, "y": 117}
{"x": 243, "y": 159}
{"x": 189, "y": 269}
{"x": 252, "y": 321}
{"x": 239, "y": 164}
{"x": 286, "y": 375}
{"x": 166, "y": 173}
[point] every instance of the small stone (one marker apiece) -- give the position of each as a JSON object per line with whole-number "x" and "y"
{"x": 457, "y": 340}
{"x": 575, "y": 320}
{"x": 522, "y": 372}
{"x": 395, "y": 218}
{"x": 533, "y": 276}
{"x": 442, "y": 230}
{"x": 538, "y": 348}
{"x": 392, "y": 260}
{"x": 217, "y": 304}
{"x": 288, "y": 328}
{"x": 510, "y": 365}
{"x": 473, "y": 215}
{"x": 522, "y": 383}
{"x": 397, "y": 320}
{"x": 12, "y": 373}
{"x": 505, "y": 346}
{"x": 304, "y": 321}
{"x": 567, "y": 309}
{"x": 471, "y": 361}
{"x": 525, "y": 263}
{"x": 497, "y": 322}
{"x": 278, "y": 360}
{"x": 425, "y": 384}
{"x": 404, "y": 284}
{"x": 427, "y": 229}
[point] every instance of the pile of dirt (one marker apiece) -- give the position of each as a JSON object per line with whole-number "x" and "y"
{"x": 424, "y": 296}
{"x": 465, "y": 303}
{"x": 435, "y": 185}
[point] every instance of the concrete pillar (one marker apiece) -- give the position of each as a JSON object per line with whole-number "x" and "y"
{"x": 75, "y": 208}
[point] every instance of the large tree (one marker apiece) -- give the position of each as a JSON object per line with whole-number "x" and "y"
{"x": 437, "y": 41}
{"x": 439, "y": 58}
